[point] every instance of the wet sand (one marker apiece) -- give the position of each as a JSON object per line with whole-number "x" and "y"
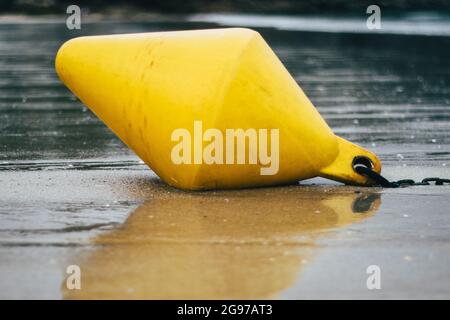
{"x": 72, "y": 193}
{"x": 148, "y": 240}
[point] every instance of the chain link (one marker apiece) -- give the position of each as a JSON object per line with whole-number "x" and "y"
{"x": 383, "y": 182}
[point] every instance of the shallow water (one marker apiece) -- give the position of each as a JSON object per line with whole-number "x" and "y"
{"x": 72, "y": 193}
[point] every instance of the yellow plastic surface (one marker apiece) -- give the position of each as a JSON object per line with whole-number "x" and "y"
{"x": 144, "y": 86}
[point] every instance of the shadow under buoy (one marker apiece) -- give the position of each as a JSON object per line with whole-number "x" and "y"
{"x": 243, "y": 244}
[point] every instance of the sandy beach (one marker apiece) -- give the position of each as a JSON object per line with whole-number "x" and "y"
{"x": 72, "y": 194}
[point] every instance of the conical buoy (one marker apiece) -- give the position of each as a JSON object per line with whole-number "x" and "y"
{"x": 207, "y": 109}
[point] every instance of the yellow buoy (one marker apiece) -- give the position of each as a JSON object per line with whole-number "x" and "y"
{"x": 207, "y": 109}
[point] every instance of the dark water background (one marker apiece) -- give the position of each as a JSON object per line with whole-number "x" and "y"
{"x": 387, "y": 92}
{"x": 390, "y": 93}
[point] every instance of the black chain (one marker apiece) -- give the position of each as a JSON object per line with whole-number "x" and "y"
{"x": 385, "y": 183}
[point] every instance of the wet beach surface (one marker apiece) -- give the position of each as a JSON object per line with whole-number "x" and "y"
{"x": 72, "y": 193}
